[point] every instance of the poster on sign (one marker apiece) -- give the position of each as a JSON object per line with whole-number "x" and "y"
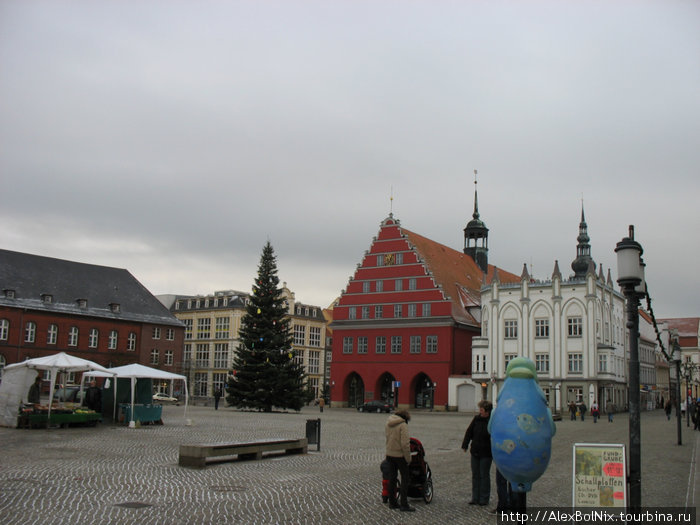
{"x": 599, "y": 475}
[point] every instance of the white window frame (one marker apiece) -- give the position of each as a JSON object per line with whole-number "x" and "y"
{"x": 30, "y": 332}
{"x": 510, "y": 329}
{"x": 93, "y": 338}
{"x": 112, "y": 340}
{"x": 73, "y": 335}
{"x": 414, "y": 344}
{"x": 574, "y": 326}
{"x": 431, "y": 344}
{"x": 380, "y": 344}
{"x": 362, "y": 344}
{"x": 542, "y": 328}
{"x": 52, "y": 334}
{"x": 315, "y": 336}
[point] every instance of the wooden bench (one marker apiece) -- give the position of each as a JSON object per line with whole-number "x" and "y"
{"x": 198, "y": 455}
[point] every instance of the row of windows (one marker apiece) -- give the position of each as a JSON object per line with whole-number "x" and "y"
{"x": 410, "y": 310}
{"x": 168, "y": 357}
{"x": 415, "y": 344}
{"x": 411, "y": 284}
{"x": 30, "y": 334}
{"x": 222, "y": 330}
{"x": 389, "y": 259}
{"x": 510, "y": 328}
{"x": 300, "y": 335}
{"x": 220, "y": 357}
{"x": 575, "y": 362}
{"x": 169, "y": 333}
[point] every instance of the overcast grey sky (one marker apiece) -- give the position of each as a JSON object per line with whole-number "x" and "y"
{"x": 174, "y": 138}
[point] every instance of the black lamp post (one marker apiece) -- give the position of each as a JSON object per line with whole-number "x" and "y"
{"x": 677, "y": 361}
{"x": 687, "y": 400}
{"x": 630, "y": 277}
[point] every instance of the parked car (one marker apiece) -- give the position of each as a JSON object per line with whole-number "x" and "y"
{"x": 375, "y": 406}
{"x": 164, "y": 398}
{"x": 68, "y": 394}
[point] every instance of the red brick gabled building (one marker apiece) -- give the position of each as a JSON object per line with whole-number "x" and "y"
{"x": 404, "y": 324}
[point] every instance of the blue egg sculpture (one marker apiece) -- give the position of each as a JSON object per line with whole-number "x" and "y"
{"x": 521, "y": 427}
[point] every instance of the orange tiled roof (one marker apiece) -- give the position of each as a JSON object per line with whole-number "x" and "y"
{"x": 688, "y": 329}
{"x": 457, "y": 272}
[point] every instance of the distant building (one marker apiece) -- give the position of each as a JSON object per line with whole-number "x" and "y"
{"x": 573, "y": 329}
{"x": 94, "y": 312}
{"x": 687, "y": 330}
{"x": 403, "y": 327}
{"x": 212, "y": 324}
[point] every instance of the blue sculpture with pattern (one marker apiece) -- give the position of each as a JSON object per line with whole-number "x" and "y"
{"x": 521, "y": 427}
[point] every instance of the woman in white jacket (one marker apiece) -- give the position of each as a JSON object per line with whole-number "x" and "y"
{"x": 398, "y": 454}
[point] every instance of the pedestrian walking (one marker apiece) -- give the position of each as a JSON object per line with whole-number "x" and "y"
{"x": 478, "y": 434}
{"x": 217, "y": 396}
{"x": 572, "y": 411}
{"x": 668, "y": 409}
{"x": 582, "y": 408}
{"x": 610, "y": 409}
{"x": 321, "y": 404}
{"x": 595, "y": 411}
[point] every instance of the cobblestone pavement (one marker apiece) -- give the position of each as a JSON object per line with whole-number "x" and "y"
{"x": 116, "y": 475}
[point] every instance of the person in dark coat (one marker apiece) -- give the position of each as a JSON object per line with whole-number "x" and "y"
{"x": 668, "y": 408}
{"x": 93, "y": 397}
{"x": 34, "y": 394}
{"x": 217, "y": 396}
{"x": 478, "y": 435}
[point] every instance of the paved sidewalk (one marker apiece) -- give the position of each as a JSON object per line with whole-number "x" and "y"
{"x": 116, "y": 475}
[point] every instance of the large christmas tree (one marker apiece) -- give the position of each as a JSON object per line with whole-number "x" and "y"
{"x": 265, "y": 372}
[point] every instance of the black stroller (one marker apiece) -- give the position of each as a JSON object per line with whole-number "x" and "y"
{"x": 421, "y": 478}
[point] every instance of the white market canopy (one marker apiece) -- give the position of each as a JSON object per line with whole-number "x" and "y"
{"x": 18, "y": 377}
{"x": 136, "y": 371}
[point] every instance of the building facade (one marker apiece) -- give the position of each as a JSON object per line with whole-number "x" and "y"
{"x": 573, "y": 329}
{"x": 686, "y": 331}
{"x": 402, "y": 328}
{"x": 94, "y": 312}
{"x": 212, "y": 324}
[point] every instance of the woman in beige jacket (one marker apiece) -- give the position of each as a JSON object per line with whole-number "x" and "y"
{"x": 398, "y": 454}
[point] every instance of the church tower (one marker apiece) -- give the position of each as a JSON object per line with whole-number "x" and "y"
{"x": 476, "y": 237}
{"x": 583, "y": 250}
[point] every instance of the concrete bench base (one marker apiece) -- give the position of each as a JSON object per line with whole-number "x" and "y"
{"x": 198, "y": 455}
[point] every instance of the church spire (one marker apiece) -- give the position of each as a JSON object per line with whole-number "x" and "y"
{"x": 476, "y": 236}
{"x": 580, "y": 265}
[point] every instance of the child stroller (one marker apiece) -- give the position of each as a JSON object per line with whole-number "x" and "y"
{"x": 421, "y": 477}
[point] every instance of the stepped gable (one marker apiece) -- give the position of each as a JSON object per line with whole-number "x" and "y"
{"x": 457, "y": 272}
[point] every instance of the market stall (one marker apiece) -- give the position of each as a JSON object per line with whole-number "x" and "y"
{"x": 15, "y": 410}
{"x": 145, "y": 411}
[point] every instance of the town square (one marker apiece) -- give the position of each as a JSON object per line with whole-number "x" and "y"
{"x": 117, "y": 475}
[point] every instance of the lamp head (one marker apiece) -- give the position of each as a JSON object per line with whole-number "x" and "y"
{"x": 629, "y": 261}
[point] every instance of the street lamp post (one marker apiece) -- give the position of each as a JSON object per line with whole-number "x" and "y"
{"x": 677, "y": 361}
{"x": 687, "y": 403}
{"x": 630, "y": 270}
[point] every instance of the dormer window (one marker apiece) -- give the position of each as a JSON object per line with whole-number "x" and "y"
{"x": 115, "y": 307}
{"x": 9, "y": 294}
{"x": 82, "y": 303}
{"x": 47, "y": 298}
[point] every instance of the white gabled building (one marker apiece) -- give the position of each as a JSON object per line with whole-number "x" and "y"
{"x": 572, "y": 329}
